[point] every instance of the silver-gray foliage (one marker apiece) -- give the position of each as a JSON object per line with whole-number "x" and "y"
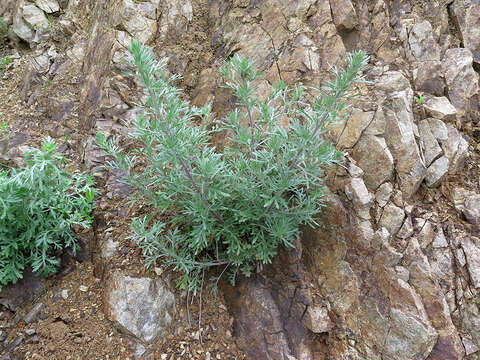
{"x": 232, "y": 208}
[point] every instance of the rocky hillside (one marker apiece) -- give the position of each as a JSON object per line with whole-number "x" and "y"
{"x": 393, "y": 272}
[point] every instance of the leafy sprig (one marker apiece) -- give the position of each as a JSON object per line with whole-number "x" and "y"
{"x": 38, "y": 206}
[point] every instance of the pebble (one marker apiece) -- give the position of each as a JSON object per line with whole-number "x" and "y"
{"x": 83, "y": 288}
{"x": 30, "y": 332}
{"x": 32, "y": 315}
{"x": 64, "y": 294}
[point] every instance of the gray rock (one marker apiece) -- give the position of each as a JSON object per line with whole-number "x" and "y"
{"x": 406, "y": 230}
{"x": 422, "y": 44}
{"x": 383, "y": 194}
{"x": 139, "y": 351}
{"x": 392, "y": 218}
{"x": 30, "y": 332}
{"x": 470, "y": 347}
{"x": 458, "y": 197}
{"x": 461, "y": 79}
{"x": 440, "y": 108}
{"x": 460, "y": 255}
{"x": 21, "y": 29}
{"x": 455, "y": 150}
{"x": 402, "y": 273}
{"x": 437, "y": 171}
{"x": 140, "y": 306}
{"x": 34, "y": 313}
{"x": 438, "y": 129}
{"x": 472, "y": 209}
{"x": 41, "y": 63}
{"x": 471, "y": 248}
{"x": 428, "y": 143}
{"x": 467, "y": 17}
{"x": 35, "y": 17}
{"x": 109, "y": 248}
{"x": 354, "y": 171}
{"x": 440, "y": 241}
{"x": 358, "y": 193}
{"x": 49, "y": 6}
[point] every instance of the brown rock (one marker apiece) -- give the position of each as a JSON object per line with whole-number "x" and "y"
{"x": 373, "y": 156}
{"x": 344, "y": 15}
{"x": 428, "y": 78}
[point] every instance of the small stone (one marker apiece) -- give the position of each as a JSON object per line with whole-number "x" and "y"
{"x": 35, "y": 339}
{"x": 402, "y": 273}
{"x": 470, "y": 347}
{"x": 392, "y": 218}
{"x": 437, "y": 171}
{"x": 64, "y": 294}
{"x": 438, "y": 129}
{"x": 383, "y": 194}
{"x": 358, "y": 193}
{"x": 354, "y": 171}
{"x": 440, "y": 108}
{"x": 440, "y": 241}
{"x": 472, "y": 209}
{"x": 317, "y": 320}
{"x": 139, "y": 351}
{"x": 49, "y": 6}
{"x": 455, "y": 149}
{"x": 406, "y": 230}
{"x": 30, "y": 332}
{"x": 471, "y": 248}
{"x": 143, "y": 307}
{"x": 426, "y": 235}
{"x": 461, "y": 257}
{"x": 428, "y": 143}
{"x": 83, "y": 288}
{"x": 35, "y": 17}
{"x": 34, "y": 313}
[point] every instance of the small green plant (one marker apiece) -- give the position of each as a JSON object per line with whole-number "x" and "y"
{"x": 231, "y": 209}
{"x": 419, "y": 99}
{"x": 4, "y": 63}
{"x": 39, "y": 204}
